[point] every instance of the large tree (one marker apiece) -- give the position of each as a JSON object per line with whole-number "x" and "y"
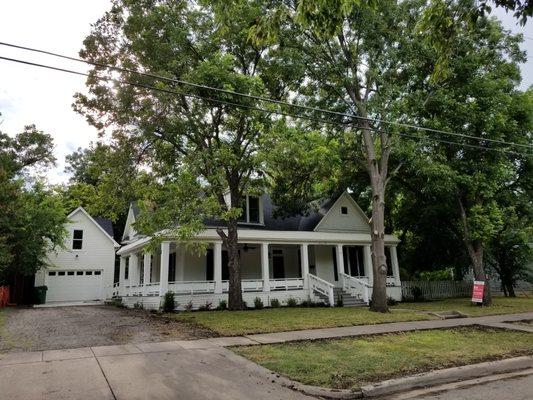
{"x": 194, "y": 137}
{"x": 31, "y": 217}
{"x": 105, "y": 179}
{"x": 350, "y": 59}
{"x": 477, "y": 98}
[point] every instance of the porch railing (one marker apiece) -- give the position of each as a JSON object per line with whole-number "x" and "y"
{"x": 203, "y": 287}
{"x": 356, "y": 287}
{"x": 192, "y": 287}
{"x": 322, "y": 287}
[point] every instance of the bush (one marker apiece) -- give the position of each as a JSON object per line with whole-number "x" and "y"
{"x": 188, "y": 306}
{"x": 274, "y": 303}
{"x": 117, "y": 302}
{"x": 391, "y": 301}
{"x": 258, "y": 303}
{"x": 222, "y": 305}
{"x": 340, "y": 302}
{"x": 169, "y": 304}
{"x": 417, "y": 293}
{"x": 206, "y": 307}
{"x": 312, "y": 304}
{"x": 438, "y": 275}
{"x": 292, "y": 302}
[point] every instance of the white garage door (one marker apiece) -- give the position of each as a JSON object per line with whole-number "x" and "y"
{"x": 65, "y": 285}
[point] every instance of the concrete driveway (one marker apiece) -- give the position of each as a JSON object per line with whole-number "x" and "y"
{"x": 137, "y": 372}
{"x": 28, "y": 329}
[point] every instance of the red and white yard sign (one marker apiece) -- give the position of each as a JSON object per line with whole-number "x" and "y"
{"x": 477, "y": 291}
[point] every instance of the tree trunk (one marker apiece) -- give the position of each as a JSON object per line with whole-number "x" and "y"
{"x": 379, "y": 259}
{"x": 377, "y": 171}
{"x": 475, "y": 251}
{"x": 235, "y": 301}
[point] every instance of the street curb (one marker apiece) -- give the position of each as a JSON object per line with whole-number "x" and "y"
{"x": 390, "y": 386}
{"x": 448, "y": 375}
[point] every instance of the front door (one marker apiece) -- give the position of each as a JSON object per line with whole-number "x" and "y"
{"x": 278, "y": 264}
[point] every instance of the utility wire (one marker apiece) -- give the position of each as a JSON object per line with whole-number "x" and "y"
{"x": 261, "y": 98}
{"x": 245, "y": 106}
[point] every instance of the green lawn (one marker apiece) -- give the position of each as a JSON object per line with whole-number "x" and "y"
{"x": 353, "y": 362}
{"x": 501, "y": 305}
{"x": 234, "y": 323}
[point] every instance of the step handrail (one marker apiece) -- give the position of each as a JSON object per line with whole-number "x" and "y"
{"x": 322, "y": 286}
{"x": 356, "y": 287}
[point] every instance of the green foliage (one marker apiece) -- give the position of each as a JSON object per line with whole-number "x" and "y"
{"x": 340, "y": 301}
{"x": 437, "y": 275}
{"x": 417, "y": 294}
{"x": 275, "y": 303}
{"x": 193, "y": 136}
{"x": 258, "y": 303}
{"x": 206, "y": 307}
{"x": 169, "y": 303}
{"x": 222, "y": 305}
{"x": 292, "y": 302}
{"x": 32, "y": 217}
{"x": 105, "y": 179}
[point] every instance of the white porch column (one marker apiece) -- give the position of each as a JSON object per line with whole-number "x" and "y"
{"x": 265, "y": 273}
{"x": 395, "y": 265}
{"x": 340, "y": 263}
{"x": 147, "y": 269}
{"x": 134, "y": 269}
{"x": 163, "y": 271}
{"x": 304, "y": 253}
{"x": 217, "y": 266}
{"x": 368, "y": 262}
{"x": 121, "y": 279}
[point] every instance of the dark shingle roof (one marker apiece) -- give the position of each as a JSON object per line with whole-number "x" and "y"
{"x": 306, "y": 222}
{"x": 105, "y": 224}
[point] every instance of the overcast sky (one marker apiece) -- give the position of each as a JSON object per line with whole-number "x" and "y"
{"x": 32, "y": 95}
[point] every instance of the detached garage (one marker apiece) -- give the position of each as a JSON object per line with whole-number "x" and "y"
{"x": 84, "y": 270}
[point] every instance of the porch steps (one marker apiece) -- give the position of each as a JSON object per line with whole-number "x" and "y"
{"x": 347, "y": 299}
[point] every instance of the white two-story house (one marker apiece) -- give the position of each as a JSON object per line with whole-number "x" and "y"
{"x": 83, "y": 270}
{"x": 319, "y": 256}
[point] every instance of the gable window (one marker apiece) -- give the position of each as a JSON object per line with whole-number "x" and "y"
{"x": 253, "y": 209}
{"x": 344, "y": 210}
{"x": 77, "y": 239}
{"x": 251, "y": 212}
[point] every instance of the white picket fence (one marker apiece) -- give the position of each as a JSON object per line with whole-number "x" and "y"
{"x": 432, "y": 290}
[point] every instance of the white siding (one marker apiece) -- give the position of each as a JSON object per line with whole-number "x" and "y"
{"x": 97, "y": 253}
{"x": 335, "y": 221}
{"x": 324, "y": 263}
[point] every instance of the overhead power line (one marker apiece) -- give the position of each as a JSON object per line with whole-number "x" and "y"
{"x": 263, "y": 99}
{"x": 245, "y": 106}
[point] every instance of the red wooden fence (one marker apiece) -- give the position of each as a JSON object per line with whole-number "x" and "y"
{"x": 4, "y": 295}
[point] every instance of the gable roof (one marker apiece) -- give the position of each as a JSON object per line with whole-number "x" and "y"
{"x": 352, "y": 226}
{"x": 303, "y": 222}
{"x": 105, "y": 225}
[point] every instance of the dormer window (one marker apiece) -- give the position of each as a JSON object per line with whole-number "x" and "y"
{"x": 344, "y": 210}
{"x": 77, "y": 239}
{"x": 251, "y": 210}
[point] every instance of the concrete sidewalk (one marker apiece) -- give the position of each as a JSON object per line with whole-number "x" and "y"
{"x": 183, "y": 369}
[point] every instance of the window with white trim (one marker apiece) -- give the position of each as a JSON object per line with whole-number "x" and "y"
{"x": 251, "y": 210}
{"x": 77, "y": 239}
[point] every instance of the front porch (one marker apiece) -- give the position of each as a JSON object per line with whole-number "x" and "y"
{"x": 303, "y": 271}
